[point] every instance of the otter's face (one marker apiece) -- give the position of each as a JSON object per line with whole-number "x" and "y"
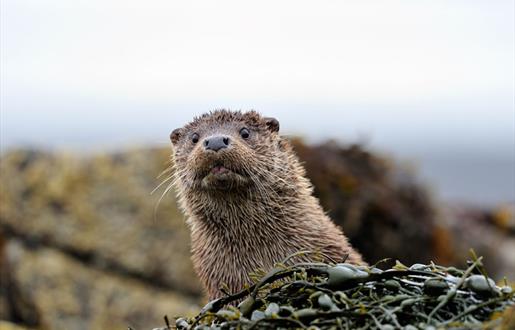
{"x": 224, "y": 150}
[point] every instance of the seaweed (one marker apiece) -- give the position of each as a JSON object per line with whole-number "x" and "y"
{"x": 344, "y": 296}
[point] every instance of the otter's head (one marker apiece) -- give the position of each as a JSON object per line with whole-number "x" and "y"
{"x": 226, "y": 151}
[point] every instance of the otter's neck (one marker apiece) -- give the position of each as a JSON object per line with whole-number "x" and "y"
{"x": 251, "y": 214}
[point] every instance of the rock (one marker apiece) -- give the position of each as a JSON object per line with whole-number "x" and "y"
{"x": 379, "y": 204}
{"x": 14, "y": 306}
{"x": 4, "y": 325}
{"x": 70, "y": 295}
{"x": 99, "y": 210}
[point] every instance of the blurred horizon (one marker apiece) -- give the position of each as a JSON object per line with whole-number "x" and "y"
{"x": 429, "y": 83}
{"x": 455, "y": 173}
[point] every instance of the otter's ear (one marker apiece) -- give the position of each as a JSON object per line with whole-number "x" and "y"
{"x": 272, "y": 124}
{"x": 175, "y": 135}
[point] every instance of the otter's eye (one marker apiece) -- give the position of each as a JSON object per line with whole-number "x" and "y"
{"x": 194, "y": 138}
{"x": 244, "y": 133}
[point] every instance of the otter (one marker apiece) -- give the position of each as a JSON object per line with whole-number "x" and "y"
{"x": 247, "y": 200}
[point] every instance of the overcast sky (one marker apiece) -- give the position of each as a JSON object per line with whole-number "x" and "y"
{"x": 416, "y": 78}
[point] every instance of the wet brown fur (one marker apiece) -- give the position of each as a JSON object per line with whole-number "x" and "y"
{"x": 265, "y": 212}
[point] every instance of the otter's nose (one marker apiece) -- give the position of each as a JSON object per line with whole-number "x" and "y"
{"x": 216, "y": 142}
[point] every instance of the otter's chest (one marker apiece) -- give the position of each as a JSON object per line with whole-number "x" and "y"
{"x": 227, "y": 260}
